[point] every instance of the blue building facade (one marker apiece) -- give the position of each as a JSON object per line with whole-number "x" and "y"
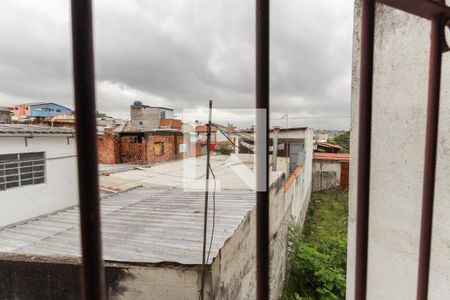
{"x": 48, "y": 110}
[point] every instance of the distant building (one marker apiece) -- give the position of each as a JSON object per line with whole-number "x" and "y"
{"x": 326, "y": 147}
{"x": 5, "y": 115}
{"x": 140, "y": 147}
{"x": 40, "y": 109}
{"x": 330, "y": 170}
{"x": 144, "y": 117}
{"x": 105, "y": 124}
{"x": 200, "y": 138}
{"x": 66, "y": 121}
{"x": 37, "y": 171}
{"x": 322, "y": 136}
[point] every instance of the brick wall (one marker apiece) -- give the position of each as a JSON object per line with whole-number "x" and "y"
{"x": 170, "y": 123}
{"x": 108, "y": 149}
{"x": 169, "y": 145}
{"x": 133, "y": 150}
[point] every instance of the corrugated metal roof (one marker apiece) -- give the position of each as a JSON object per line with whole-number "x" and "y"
{"x": 332, "y": 156}
{"x": 328, "y": 145}
{"x": 20, "y": 129}
{"x": 141, "y": 225}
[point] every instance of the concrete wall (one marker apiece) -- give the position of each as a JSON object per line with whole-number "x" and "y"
{"x": 234, "y": 269}
{"x": 326, "y": 174}
{"x": 5, "y": 116}
{"x": 398, "y": 135}
{"x": 60, "y": 189}
{"x": 144, "y": 118}
{"x": 31, "y": 277}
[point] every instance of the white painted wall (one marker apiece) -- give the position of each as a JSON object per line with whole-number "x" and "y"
{"x": 398, "y": 134}
{"x": 301, "y": 194}
{"x": 326, "y": 174}
{"x": 291, "y": 134}
{"x": 60, "y": 189}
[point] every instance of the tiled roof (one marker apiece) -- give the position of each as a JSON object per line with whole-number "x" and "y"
{"x": 20, "y": 129}
{"x": 141, "y": 225}
{"x": 332, "y": 156}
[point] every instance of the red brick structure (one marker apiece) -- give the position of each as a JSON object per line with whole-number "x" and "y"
{"x": 170, "y": 123}
{"x": 108, "y": 149}
{"x": 140, "y": 147}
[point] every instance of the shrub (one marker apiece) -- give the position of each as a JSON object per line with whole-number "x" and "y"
{"x": 318, "y": 254}
{"x": 225, "y": 149}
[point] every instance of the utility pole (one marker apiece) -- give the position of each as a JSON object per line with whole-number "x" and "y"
{"x": 205, "y": 218}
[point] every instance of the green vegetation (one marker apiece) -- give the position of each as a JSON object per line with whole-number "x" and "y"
{"x": 225, "y": 149}
{"x": 342, "y": 140}
{"x": 318, "y": 254}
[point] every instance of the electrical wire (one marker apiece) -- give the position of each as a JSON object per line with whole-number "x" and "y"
{"x": 214, "y": 214}
{"x": 226, "y": 135}
{"x": 208, "y": 168}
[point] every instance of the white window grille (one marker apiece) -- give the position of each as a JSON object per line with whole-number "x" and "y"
{"x": 21, "y": 169}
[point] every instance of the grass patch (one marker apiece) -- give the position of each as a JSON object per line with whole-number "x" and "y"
{"x": 318, "y": 254}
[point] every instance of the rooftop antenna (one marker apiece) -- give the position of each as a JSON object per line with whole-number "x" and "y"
{"x": 205, "y": 218}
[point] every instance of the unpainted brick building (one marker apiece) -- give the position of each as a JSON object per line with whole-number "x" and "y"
{"x": 140, "y": 147}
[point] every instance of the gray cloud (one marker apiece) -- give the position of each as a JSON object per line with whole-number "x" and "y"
{"x": 182, "y": 53}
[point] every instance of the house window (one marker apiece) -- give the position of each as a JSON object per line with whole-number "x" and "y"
{"x": 58, "y": 110}
{"x": 21, "y": 169}
{"x": 138, "y": 139}
{"x": 159, "y": 148}
{"x": 163, "y": 114}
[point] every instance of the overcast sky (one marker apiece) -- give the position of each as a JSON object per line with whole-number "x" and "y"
{"x": 180, "y": 53}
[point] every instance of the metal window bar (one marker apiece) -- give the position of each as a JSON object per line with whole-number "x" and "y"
{"x": 21, "y": 169}
{"x": 262, "y": 159}
{"x": 439, "y": 14}
{"x": 93, "y": 274}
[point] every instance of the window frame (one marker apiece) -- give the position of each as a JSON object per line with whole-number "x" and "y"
{"x": 24, "y": 166}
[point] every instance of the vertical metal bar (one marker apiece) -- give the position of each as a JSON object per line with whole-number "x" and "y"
{"x": 262, "y": 159}
{"x": 431, "y": 139}
{"x": 205, "y": 215}
{"x": 93, "y": 277}
{"x": 276, "y": 131}
{"x": 364, "y": 145}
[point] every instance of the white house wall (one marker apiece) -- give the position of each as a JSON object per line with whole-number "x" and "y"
{"x": 397, "y": 161}
{"x": 60, "y": 189}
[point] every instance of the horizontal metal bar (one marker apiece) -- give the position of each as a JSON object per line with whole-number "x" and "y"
{"x": 421, "y": 8}
{"x": 20, "y": 180}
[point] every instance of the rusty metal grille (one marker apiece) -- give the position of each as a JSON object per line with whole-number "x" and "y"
{"x": 84, "y": 84}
